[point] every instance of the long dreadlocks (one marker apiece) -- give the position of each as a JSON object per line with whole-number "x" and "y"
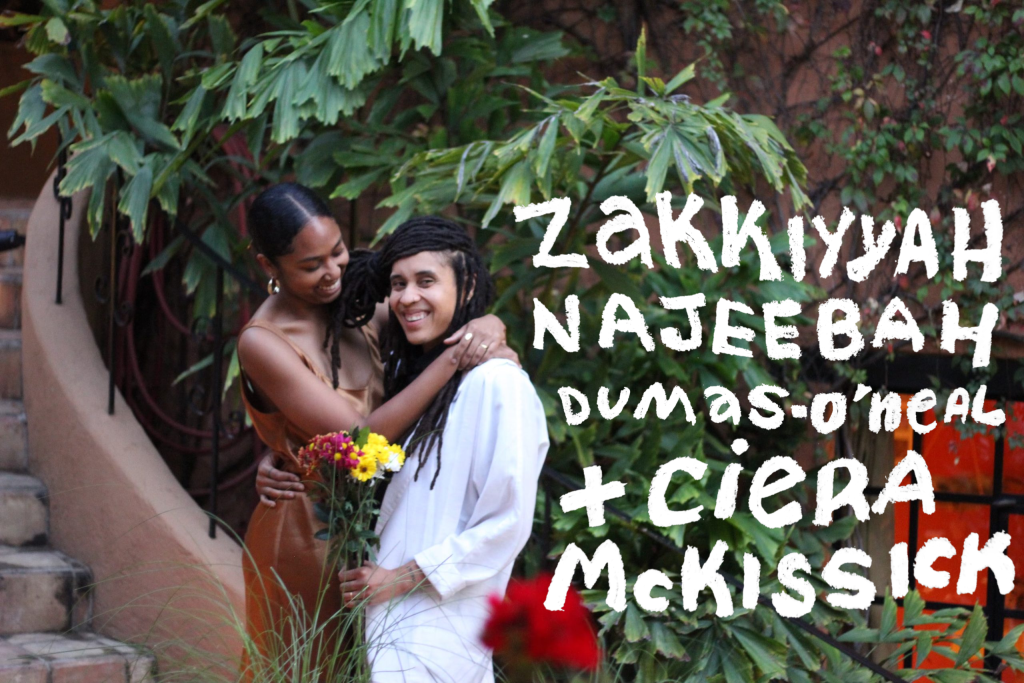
{"x": 369, "y": 283}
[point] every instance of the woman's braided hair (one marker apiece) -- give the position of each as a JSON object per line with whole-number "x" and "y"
{"x": 474, "y": 291}
{"x": 275, "y": 218}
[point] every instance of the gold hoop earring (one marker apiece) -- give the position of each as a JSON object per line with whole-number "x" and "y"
{"x": 272, "y": 286}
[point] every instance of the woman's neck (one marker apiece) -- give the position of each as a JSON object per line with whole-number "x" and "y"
{"x": 302, "y": 311}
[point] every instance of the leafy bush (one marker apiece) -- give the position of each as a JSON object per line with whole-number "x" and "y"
{"x": 450, "y": 108}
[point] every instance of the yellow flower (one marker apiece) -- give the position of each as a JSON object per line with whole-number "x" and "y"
{"x": 366, "y": 468}
{"x": 393, "y": 458}
{"x": 376, "y": 452}
{"x": 337, "y": 456}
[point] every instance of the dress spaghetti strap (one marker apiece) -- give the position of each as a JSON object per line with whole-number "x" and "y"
{"x": 277, "y": 331}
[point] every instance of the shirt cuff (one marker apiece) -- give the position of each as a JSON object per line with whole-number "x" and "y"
{"x": 440, "y": 571}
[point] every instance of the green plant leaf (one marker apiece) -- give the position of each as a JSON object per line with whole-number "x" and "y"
{"x": 124, "y": 150}
{"x": 135, "y": 200}
{"x": 19, "y": 19}
{"x": 681, "y": 78}
{"x": 245, "y": 77}
{"x": 59, "y": 96}
{"x": 421, "y": 26}
{"x": 515, "y": 189}
{"x": 767, "y": 655}
{"x": 139, "y": 102}
{"x": 163, "y": 42}
{"x": 189, "y": 115}
{"x": 88, "y": 162}
{"x": 202, "y": 12}
{"x": 973, "y": 636}
{"x": 349, "y": 58}
{"x": 56, "y": 68}
{"x": 162, "y": 259}
{"x": 57, "y": 31}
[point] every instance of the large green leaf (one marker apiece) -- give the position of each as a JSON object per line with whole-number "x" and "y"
{"x": 349, "y": 58}
{"x": 245, "y": 77}
{"x": 157, "y": 27}
{"x": 973, "y": 636}
{"x": 135, "y": 199}
{"x": 422, "y": 21}
{"x": 89, "y": 162}
{"x": 139, "y": 102}
{"x": 768, "y": 655}
{"x": 31, "y": 109}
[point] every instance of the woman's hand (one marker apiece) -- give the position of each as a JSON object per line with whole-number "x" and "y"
{"x": 375, "y": 585}
{"x": 480, "y": 340}
{"x": 273, "y": 484}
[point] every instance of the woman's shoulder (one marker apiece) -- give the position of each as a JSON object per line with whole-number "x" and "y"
{"x": 497, "y": 373}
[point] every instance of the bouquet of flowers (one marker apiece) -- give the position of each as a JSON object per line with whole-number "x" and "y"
{"x": 346, "y": 468}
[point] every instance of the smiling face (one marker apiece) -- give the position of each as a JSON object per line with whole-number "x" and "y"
{"x": 312, "y": 270}
{"x": 423, "y": 297}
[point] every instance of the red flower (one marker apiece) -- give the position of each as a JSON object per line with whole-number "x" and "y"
{"x": 525, "y": 632}
{"x": 926, "y": 34}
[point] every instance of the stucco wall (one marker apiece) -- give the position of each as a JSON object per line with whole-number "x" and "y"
{"x": 114, "y": 503}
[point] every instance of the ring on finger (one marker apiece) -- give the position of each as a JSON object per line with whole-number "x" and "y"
{"x": 483, "y": 346}
{"x": 468, "y": 336}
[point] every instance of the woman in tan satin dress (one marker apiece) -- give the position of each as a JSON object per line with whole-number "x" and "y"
{"x": 308, "y": 370}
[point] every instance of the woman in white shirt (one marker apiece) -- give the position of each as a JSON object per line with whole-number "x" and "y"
{"x": 456, "y": 516}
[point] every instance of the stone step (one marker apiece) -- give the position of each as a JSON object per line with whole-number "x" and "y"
{"x": 24, "y": 511}
{"x": 10, "y": 297}
{"x": 72, "y": 658}
{"x": 42, "y": 590}
{"x": 13, "y": 436}
{"x": 10, "y": 364}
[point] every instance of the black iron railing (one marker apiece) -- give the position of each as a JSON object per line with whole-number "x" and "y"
{"x": 1001, "y": 505}
{"x": 64, "y": 214}
{"x": 223, "y": 266}
{"x": 115, "y": 290}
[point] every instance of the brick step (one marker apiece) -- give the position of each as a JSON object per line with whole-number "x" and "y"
{"x": 72, "y": 658}
{"x": 10, "y": 364}
{"x": 13, "y": 436}
{"x": 42, "y": 590}
{"x": 24, "y": 511}
{"x": 10, "y": 297}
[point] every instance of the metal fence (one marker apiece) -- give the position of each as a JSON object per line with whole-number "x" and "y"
{"x": 911, "y": 375}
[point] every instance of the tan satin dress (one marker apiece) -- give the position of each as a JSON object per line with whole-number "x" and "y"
{"x": 288, "y": 587}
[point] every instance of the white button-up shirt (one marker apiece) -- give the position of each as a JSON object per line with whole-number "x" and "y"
{"x": 464, "y": 534}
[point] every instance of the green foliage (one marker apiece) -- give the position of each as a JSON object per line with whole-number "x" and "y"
{"x": 446, "y": 107}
